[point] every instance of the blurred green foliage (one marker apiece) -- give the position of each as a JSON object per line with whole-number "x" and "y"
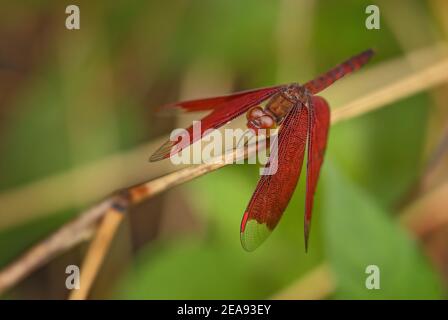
{"x": 358, "y": 234}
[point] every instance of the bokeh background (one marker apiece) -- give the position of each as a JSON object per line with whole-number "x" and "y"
{"x": 78, "y": 121}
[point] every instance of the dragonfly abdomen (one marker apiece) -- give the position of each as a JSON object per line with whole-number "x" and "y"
{"x": 347, "y": 67}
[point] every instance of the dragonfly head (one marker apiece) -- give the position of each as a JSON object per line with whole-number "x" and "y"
{"x": 257, "y": 119}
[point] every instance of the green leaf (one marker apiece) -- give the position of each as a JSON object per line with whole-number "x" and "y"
{"x": 213, "y": 265}
{"x": 184, "y": 271}
{"x": 359, "y": 233}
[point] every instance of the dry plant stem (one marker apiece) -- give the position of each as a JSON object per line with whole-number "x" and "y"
{"x": 426, "y": 78}
{"x": 73, "y": 232}
{"x": 428, "y": 213}
{"x": 77, "y": 230}
{"x": 90, "y": 182}
{"x": 429, "y": 175}
{"x": 97, "y": 252}
{"x": 106, "y": 231}
{"x": 315, "y": 285}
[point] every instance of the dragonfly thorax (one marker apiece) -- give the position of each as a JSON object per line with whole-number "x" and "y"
{"x": 276, "y": 108}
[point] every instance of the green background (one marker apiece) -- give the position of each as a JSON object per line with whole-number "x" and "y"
{"x": 82, "y": 96}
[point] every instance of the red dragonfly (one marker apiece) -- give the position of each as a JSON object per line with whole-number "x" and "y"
{"x": 303, "y": 117}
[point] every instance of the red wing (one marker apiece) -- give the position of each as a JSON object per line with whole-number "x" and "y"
{"x": 352, "y": 64}
{"x": 273, "y": 192}
{"x": 222, "y": 114}
{"x": 317, "y": 142}
{"x": 212, "y": 103}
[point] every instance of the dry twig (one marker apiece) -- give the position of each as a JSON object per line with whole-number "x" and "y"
{"x": 97, "y": 252}
{"x": 74, "y": 232}
{"x": 315, "y": 285}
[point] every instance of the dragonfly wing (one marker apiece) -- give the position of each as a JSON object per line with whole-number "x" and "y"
{"x": 317, "y": 141}
{"x": 273, "y": 192}
{"x": 222, "y": 114}
{"x": 214, "y": 102}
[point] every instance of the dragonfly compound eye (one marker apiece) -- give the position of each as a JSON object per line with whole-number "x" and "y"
{"x": 266, "y": 122}
{"x": 254, "y": 113}
{"x": 263, "y": 122}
